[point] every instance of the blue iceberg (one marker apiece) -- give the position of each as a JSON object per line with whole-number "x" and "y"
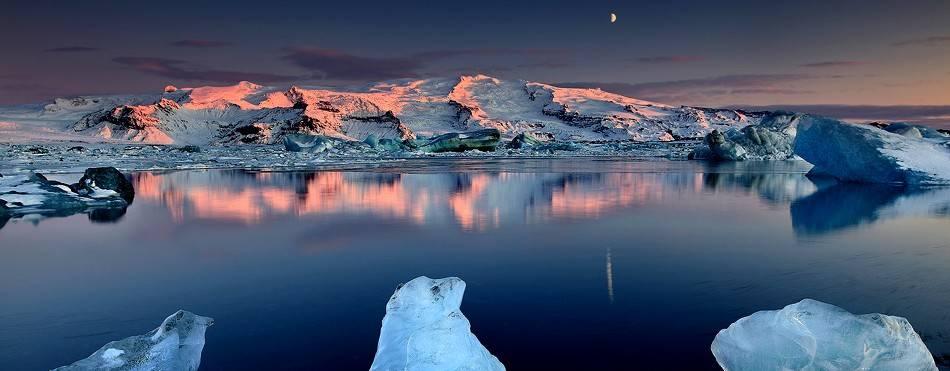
{"x": 811, "y": 335}
{"x": 864, "y": 153}
{"x": 424, "y": 330}
{"x": 176, "y": 345}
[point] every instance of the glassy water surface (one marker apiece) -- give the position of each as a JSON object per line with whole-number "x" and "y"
{"x": 570, "y": 264}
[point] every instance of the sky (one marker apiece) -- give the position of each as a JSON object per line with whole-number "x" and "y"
{"x": 811, "y": 55}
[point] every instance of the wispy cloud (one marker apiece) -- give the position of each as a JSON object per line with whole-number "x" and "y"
{"x": 177, "y": 70}
{"x": 453, "y": 53}
{"x": 198, "y": 43}
{"x": 832, "y": 64}
{"x": 339, "y": 65}
{"x": 71, "y": 49}
{"x": 670, "y": 59}
{"x": 925, "y": 41}
{"x": 692, "y": 90}
{"x": 334, "y": 64}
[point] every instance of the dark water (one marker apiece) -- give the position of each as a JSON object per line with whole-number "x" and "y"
{"x": 570, "y": 264}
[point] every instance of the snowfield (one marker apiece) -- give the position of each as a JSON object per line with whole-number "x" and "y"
{"x": 248, "y": 113}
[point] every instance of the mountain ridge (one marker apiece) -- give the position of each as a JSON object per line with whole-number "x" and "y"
{"x": 399, "y": 109}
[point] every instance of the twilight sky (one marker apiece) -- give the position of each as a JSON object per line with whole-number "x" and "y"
{"x": 698, "y": 52}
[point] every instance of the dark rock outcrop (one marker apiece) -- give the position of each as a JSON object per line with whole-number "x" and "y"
{"x": 98, "y": 179}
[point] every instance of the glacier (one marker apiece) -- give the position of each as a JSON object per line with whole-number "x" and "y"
{"x": 175, "y": 345}
{"x": 811, "y": 335}
{"x": 424, "y": 330}
{"x": 247, "y": 113}
{"x": 864, "y": 153}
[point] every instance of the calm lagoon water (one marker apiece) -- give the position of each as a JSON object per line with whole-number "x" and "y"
{"x": 570, "y": 264}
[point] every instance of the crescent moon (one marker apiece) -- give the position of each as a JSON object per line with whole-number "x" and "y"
{"x": 613, "y": 17}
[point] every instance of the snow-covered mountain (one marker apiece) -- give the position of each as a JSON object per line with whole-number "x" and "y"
{"x": 401, "y": 109}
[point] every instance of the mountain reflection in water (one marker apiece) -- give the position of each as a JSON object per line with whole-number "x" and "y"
{"x": 473, "y": 201}
{"x": 482, "y": 199}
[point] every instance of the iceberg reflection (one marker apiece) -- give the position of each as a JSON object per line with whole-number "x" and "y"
{"x": 841, "y": 206}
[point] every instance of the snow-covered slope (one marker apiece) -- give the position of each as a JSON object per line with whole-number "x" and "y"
{"x": 401, "y": 109}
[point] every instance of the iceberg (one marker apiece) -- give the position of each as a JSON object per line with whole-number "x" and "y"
{"x": 483, "y": 140}
{"x": 101, "y": 193}
{"x": 771, "y": 139}
{"x": 811, "y": 335}
{"x": 720, "y": 148}
{"x": 102, "y": 182}
{"x": 863, "y": 153}
{"x": 424, "y": 330}
{"x": 524, "y": 140}
{"x": 176, "y": 345}
{"x": 915, "y": 131}
{"x": 307, "y": 143}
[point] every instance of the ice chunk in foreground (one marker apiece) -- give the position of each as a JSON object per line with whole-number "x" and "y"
{"x": 174, "y": 346}
{"x": 424, "y": 330}
{"x": 863, "y": 153}
{"x": 811, "y": 335}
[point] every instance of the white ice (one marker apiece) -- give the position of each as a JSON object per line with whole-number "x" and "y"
{"x": 811, "y": 336}
{"x": 175, "y": 345}
{"x": 424, "y": 330}
{"x": 864, "y": 153}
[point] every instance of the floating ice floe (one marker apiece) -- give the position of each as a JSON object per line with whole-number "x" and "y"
{"x": 175, "y": 345}
{"x": 424, "y": 330}
{"x": 864, "y": 153}
{"x": 104, "y": 193}
{"x": 811, "y": 335}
